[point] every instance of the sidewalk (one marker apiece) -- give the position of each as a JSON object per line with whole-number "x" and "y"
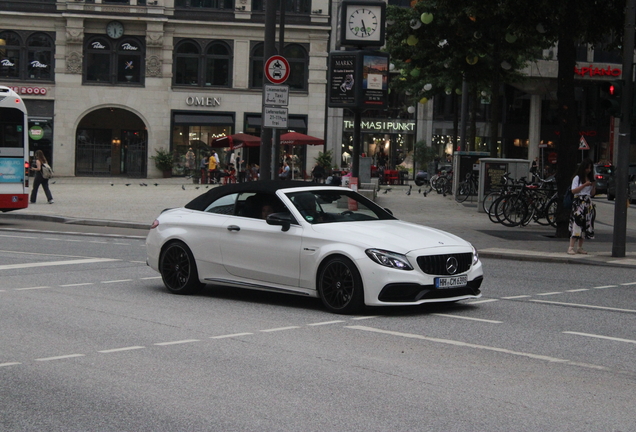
{"x": 109, "y": 202}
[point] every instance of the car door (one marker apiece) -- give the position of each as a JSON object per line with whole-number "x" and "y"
{"x": 254, "y": 250}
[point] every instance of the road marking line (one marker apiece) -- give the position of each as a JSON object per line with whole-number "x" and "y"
{"x": 57, "y": 263}
{"x": 578, "y": 290}
{"x": 152, "y": 277}
{"x": 230, "y": 335}
{"x": 280, "y": 329}
{"x": 31, "y": 288}
{"x": 549, "y": 293}
{"x": 9, "y": 364}
{"x": 115, "y": 281}
{"x": 515, "y": 297}
{"x": 60, "y": 357}
{"x": 20, "y": 237}
{"x": 121, "y": 349}
{"x": 601, "y": 337}
{"x": 78, "y": 284}
{"x": 461, "y": 344}
{"x": 584, "y": 306}
{"x": 482, "y": 301}
{"x": 606, "y": 286}
{"x": 96, "y": 241}
{"x": 326, "y": 322}
{"x": 178, "y": 342}
{"x": 364, "y": 317}
{"x": 628, "y": 283}
{"x": 468, "y": 318}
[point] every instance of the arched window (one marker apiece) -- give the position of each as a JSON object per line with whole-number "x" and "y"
{"x": 28, "y": 58}
{"x": 218, "y": 65}
{"x": 187, "y": 64}
{"x": 115, "y": 63}
{"x": 256, "y": 66}
{"x": 297, "y": 57}
{"x": 197, "y": 64}
{"x": 10, "y": 54}
{"x": 40, "y": 57}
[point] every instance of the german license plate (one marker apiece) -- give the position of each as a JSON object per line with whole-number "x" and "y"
{"x": 451, "y": 282}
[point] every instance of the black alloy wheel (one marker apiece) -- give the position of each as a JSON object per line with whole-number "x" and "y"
{"x": 340, "y": 286}
{"x": 178, "y": 269}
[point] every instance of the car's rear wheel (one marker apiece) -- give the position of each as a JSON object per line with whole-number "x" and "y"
{"x": 179, "y": 270}
{"x": 340, "y": 286}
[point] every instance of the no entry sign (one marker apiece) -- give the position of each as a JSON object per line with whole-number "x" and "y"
{"x": 277, "y": 69}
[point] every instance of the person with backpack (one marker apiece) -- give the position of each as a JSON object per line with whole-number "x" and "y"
{"x": 41, "y": 168}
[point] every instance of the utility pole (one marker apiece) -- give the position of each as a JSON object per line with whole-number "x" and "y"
{"x": 269, "y": 49}
{"x": 624, "y": 134}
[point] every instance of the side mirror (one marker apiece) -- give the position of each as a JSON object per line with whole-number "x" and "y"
{"x": 284, "y": 220}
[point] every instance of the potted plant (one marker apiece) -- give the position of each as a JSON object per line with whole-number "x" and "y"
{"x": 163, "y": 161}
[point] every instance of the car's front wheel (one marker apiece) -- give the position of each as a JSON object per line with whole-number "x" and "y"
{"x": 179, "y": 270}
{"x": 340, "y": 286}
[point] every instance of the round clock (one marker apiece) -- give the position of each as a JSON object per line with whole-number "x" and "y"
{"x": 115, "y": 29}
{"x": 362, "y": 22}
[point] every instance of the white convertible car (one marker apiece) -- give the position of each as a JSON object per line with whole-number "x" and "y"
{"x": 311, "y": 240}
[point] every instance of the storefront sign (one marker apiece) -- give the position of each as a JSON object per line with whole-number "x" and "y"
{"x": 36, "y": 133}
{"x": 203, "y": 101}
{"x": 591, "y": 70}
{"x": 29, "y": 90}
{"x": 382, "y": 126}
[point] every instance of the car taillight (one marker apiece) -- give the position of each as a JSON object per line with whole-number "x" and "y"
{"x": 598, "y": 176}
{"x": 155, "y": 224}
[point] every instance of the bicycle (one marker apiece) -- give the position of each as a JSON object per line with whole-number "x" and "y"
{"x": 468, "y": 187}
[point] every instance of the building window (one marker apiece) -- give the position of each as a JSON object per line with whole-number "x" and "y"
{"x": 114, "y": 63}
{"x": 203, "y": 64}
{"x": 30, "y": 60}
{"x": 209, "y": 4}
{"x": 297, "y": 57}
{"x": 291, "y": 6}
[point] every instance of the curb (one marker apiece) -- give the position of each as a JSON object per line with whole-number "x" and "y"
{"x": 79, "y": 221}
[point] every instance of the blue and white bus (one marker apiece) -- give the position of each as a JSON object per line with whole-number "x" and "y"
{"x": 14, "y": 157}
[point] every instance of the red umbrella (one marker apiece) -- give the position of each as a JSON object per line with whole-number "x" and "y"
{"x": 236, "y": 141}
{"x": 295, "y": 138}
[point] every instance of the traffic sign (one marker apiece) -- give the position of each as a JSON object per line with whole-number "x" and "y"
{"x": 277, "y": 69}
{"x": 276, "y": 95}
{"x": 275, "y": 117}
{"x": 583, "y": 145}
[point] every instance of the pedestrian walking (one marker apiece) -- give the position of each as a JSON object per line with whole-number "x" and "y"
{"x": 190, "y": 163}
{"x": 582, "y": 215}
{"x": 39, "y": 179}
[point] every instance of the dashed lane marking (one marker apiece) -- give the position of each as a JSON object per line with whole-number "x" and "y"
{"x": 31, "y": 288}
{"x": 108, "y": 351}
{"x": 482, "y": 301}
{"x": 549, "y": 293}
{"x": 326, "y": 323}
{"x": 185, "y": 341}
{"x": 9, "y": 364}
{"x": 230, "y": 335}
{"x": 279, "y": 329}
{"x": 578, "y": 290}
{"x": 601, "y": 337}
{"x": 78, "y": 284}
{"x": 60, "y": 357}
{"x": 628, "y": 283}
{"x": 516, "y": 297}
{"x": 116, "y": 281}
{"x": 584, "y": 306}
{"x": 364, "y": 317}
{"x": 606, "y": 286}
{"x": 57, "y": 263}
{"x": 468, "y": 318}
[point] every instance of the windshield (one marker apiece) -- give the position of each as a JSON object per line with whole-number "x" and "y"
{"x": 328, "y": 206}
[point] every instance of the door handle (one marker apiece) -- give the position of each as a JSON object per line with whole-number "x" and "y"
{"x": 233, "y": 228}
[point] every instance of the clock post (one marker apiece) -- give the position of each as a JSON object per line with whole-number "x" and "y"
{"x": 358, "y": 80}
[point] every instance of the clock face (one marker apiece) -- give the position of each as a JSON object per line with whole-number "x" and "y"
{"x": 115, "y": 29}
{"x": 363, "y": 21}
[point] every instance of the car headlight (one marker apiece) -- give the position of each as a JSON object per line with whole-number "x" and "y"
{"x": 389, "y": 259}
{"x": 475, "y": 255}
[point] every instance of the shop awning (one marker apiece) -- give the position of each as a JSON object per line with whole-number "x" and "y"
{"x": 295, "y": 139}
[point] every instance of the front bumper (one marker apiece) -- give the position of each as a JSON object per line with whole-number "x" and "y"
{"x": 416, "y": 293}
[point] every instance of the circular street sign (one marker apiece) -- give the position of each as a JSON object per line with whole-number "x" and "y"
{"x": 277, "y": 69}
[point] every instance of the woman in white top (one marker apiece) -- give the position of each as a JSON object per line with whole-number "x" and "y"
{"x": 582, "y": 215}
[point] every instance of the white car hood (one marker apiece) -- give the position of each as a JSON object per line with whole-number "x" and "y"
{"x": 394, "y": 235}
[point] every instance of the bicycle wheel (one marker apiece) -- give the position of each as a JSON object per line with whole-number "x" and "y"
{"x": 514, "y": 212}
{"x": 440, "y": 185}
{"x": 463, "y": 190}
{"x": 551, "y": 212}
{"x": 495, "y": 211}
{"x": 488, "y": 200}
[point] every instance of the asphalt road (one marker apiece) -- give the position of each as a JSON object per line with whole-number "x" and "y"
{"x": 92, "y": 341}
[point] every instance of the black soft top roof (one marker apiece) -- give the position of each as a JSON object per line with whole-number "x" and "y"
{"x": 266, "y": 186}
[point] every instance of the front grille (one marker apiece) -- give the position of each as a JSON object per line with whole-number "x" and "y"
{"x": 436, "y": 264}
